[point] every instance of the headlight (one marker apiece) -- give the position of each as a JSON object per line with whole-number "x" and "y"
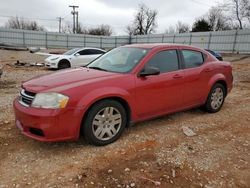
{"x": 54, "y": 58}
{"x": 50, "y": 101}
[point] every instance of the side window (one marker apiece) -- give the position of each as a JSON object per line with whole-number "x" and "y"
{"x": 95, "y": 52}
{"x": 192, "y": 58}
{"x": 165, "y": 61}
{"x": 85, "y": 52}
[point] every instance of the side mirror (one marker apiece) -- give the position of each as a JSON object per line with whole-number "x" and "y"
{"x": 77, "y": 54}
{"x": 149, "y": 71}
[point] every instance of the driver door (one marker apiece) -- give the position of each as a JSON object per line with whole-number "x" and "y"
{"x": 163, "y": 93}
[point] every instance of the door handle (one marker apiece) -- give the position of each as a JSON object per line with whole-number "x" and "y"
{"x": 176, "y": 76}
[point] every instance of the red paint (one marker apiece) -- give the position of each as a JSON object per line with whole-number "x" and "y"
{"x": 147, "y": 97}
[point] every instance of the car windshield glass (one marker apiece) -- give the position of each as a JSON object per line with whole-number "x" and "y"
{"x": 120, "y": 60}
{"x": 70, "y": 52}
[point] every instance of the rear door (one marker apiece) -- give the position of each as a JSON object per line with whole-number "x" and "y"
{"x": 197, "y": 74}
{"x": 159, "y": 94}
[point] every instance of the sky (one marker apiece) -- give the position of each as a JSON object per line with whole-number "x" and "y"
{"x": 116, "y": 13}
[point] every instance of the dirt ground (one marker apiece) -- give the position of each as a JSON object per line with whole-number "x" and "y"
{"x": 153, "y": 153}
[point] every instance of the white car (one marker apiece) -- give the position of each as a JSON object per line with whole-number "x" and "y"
{"x": 73, "y": 58}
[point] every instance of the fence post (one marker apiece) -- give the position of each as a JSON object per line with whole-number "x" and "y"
{"x": 100, "y": 42}
{"x": 190, "y": 39}
{"x": 67, "y": 41}
{"x": 174, "y": 39}
{"x": 84, "y": 40}
{"x": 46, "y": 40}
{"x": 130, "y": 39}
{"x": 23, "y": 39}
{"x": 115, "y": 42}
{"x": 162, "y": 39}
{"x": 148, "y": 38}
{"x": 235, "y": 40}
{"x": 209, "y": 40}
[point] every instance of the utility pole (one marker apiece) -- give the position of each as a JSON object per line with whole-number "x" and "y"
{"x": 74, "y": 13}
{"x": 60, "y": 23}
{"x": 77, "y": 24}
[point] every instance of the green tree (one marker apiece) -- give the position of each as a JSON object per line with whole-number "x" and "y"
{"x": 201, "y": 25}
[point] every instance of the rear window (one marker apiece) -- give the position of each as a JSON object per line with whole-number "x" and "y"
{"x": 192, "y": 58}
{"x": 94, "y": 51}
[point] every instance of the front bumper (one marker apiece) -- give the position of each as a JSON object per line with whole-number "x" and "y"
{"x": 49, "y": 64}
{"x": 48, "y": 125}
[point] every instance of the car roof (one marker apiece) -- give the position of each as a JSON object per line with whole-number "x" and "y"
{"x": 90, "y": 48}
{"x": 160, "y": 45}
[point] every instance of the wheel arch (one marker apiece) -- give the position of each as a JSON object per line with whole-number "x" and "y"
{"x": 122, "y": 100}
{"x": 219, "y": 78}
{"x": 224, "y": 83}
{"x": 64, "y": 60}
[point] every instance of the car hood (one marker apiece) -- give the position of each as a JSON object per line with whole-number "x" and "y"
{"x": 54, "y": 57}
{"x": 64, "y": 78}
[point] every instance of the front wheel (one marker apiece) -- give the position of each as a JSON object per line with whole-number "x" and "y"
{"x": 63, "y": 64}
{"x": 104, "y": 123}
{"x": 215, "y": 98}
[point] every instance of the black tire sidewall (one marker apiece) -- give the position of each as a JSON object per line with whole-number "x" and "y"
{"x": 208, "y": 106}
{"x": 87, "y": 125}
{"x": 62, "y": 63}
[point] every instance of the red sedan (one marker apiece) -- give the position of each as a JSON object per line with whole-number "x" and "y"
{"x": 126, "y": 85}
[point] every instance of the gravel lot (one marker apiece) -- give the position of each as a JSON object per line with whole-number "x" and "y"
{"x": 153, "y": 153}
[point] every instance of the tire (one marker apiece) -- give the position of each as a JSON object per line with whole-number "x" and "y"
{"x": 63, "y": 64}
{"x": 104, "y": 122}
{"x": 215, "y": 98}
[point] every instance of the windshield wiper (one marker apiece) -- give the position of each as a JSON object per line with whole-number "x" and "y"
{"x": 97, "y": 68}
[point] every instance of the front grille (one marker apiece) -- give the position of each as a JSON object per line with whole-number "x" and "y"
{"x": 26, "y": 97}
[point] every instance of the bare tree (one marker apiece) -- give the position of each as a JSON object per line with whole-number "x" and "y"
{"x": 170, "y": 30}
{"x": 246, "y": 5}
{"x": 182, "y": 27}
{"x": 130, "y": 30}
{"x": 104, "y": 30}
{"x": 144, "y": 22}
{"x": 20, "y": 23}
{"x": 67, "y": 27}
{"x": 239, "y": 11}
{"x": 217, "y": 20}
{"x": 81, "y": 30}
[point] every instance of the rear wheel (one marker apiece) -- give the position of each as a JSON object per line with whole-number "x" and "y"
{"x": 215, "y": 98}
{"x": 104, "y": 122}
{"x": 64, "y": 64}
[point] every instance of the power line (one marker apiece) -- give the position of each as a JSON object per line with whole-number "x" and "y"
{"x": 26, "y": 18}
{"x": 200, "y": 3}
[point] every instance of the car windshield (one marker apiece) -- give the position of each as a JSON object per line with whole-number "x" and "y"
{"x": 70, "y": 52}
{"x": 120, "y": 60}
